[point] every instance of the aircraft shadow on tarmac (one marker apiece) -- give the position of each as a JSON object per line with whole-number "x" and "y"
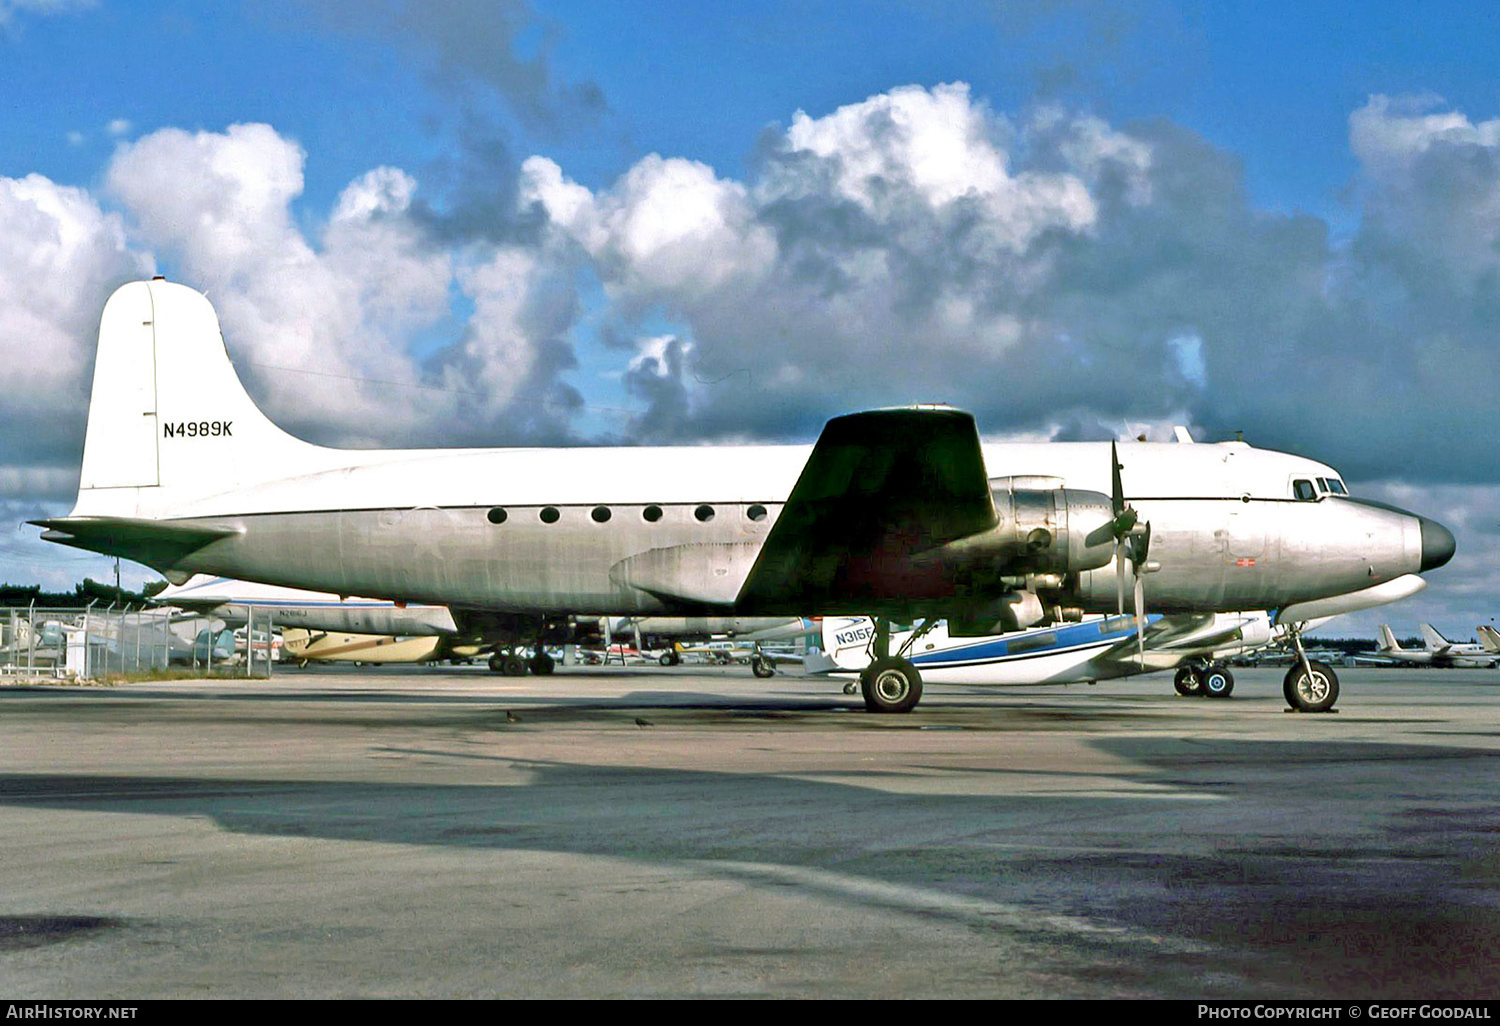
{"x": 1296, "y": 883}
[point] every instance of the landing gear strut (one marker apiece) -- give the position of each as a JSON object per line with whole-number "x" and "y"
{"x": 1309, "y": 686}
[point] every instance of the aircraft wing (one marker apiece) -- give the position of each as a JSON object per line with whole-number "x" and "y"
{"x": 1171, "y": 639}
{"x": 880, "y": 488}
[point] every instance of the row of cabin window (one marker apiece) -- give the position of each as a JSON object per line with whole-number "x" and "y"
{"x": 602, "y": 514}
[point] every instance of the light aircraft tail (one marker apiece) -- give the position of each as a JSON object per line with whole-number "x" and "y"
{"x": 1434, "y": 637}
{"x": 1388, "y": 641}
{"x": 847, "y": 640}
{"x": 1489, "y": 638}
{"x": 169, "y": 419}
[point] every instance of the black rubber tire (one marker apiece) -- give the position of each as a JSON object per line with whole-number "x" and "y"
{"x": 1188, "y": 682}
{"x": 1217, "y": 683}
{"x": 891, "y": 685}
{"x": 513, "y": 666}
{"x": 497, "y": 663}
{"x": 541, "y": 664}
{"x": 762, "y": 667}
{"x": 1317, "y": 695}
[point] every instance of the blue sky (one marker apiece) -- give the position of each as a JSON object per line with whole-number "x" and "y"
{"x": 1306, "y": 190}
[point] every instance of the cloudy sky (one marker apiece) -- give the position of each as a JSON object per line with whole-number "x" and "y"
{"x": 568, "y": 222}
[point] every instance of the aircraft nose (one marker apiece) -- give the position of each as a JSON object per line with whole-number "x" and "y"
{"x": 1438, "y": 545}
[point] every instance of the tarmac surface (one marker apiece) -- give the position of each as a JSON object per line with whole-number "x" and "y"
{"x": 642, "y": 832}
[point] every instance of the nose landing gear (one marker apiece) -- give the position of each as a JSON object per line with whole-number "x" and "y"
{"x": 1309, "y": 686}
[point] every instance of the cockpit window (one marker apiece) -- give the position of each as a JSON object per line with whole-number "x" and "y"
{"x": 1323, "y": 485}
{"x": 1336, "y": 486}
{"x": 1303, "y": 490}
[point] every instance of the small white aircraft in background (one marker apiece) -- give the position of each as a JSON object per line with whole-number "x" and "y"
{"x": 1436, "y": 650}
{"x": 723, "y": 639}
{"x": 232, "y": 601}
{"x": 1098, "y": 648}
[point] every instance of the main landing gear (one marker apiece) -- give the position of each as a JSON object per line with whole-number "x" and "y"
{"x": 1210, "y": 680}
{"x": 509, "y": 662}
{"x": 891, "y": 683}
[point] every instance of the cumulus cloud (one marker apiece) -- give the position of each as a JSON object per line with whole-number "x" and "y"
{"x": 345, "y": 310}
{"x": 60, "y": 256}
{"x": 904, "y": 248}
{"x": 1042, "y": 268}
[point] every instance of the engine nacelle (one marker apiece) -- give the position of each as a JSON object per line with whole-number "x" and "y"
{"x": 1041, "y": 530}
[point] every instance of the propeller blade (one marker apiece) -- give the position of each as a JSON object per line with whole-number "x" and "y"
{"x": 1119, "y": 578}
{"x": 1117, "y": 490}
{"x": 1140, "y": 618}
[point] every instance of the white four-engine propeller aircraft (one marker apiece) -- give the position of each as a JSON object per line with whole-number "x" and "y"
{"x": 898, "y": 513}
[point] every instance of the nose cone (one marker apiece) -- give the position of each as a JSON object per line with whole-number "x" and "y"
{"x": 1437, "y": 544}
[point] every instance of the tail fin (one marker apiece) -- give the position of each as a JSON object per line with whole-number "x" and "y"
{"x": 1489, "y": 638}
{"x": 847, "y": 640}
{"x": 169, "y": 419}
{"x": 1434, "y": 638}
{"x": 1388, "y": 641}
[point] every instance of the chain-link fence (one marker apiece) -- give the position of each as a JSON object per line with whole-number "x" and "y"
{"x": 94, "y": 644}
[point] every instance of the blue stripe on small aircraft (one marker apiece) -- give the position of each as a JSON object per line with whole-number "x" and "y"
{"x": 1066, "y": 639}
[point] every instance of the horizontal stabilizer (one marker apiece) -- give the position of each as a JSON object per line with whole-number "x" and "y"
{"x": 160, "y": 544}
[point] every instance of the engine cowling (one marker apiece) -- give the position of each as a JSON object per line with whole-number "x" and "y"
{"x": 1040, "y": 530}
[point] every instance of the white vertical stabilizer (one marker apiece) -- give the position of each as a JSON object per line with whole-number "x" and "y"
{"x": 1434, "y": 638}
{"x": 169, "y": 419}
{"x": 1388, "y": 642}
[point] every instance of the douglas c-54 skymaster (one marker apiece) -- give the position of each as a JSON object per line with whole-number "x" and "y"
{"x": 896, "y": 513}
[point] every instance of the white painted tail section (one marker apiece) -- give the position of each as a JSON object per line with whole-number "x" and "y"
{"x": 119, "y": 450}
{"x": 169, "y": 419}
{"x": 1489, "y": 638}
{"x": 1388, "y": 640}
{"x": 847, "y": 640}
{"x": 1434, "y": 637}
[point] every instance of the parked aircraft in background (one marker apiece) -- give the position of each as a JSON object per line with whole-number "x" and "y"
{"x": 897, "y": 514}
{"x": 1098, "y": 648}
{"x": 1435, "y": 651}
{"x": 231, "y": 601}
{"x": 723, "y": 638}
{"x": 1489, "y": 638}
{"x": 307, "y": 646}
